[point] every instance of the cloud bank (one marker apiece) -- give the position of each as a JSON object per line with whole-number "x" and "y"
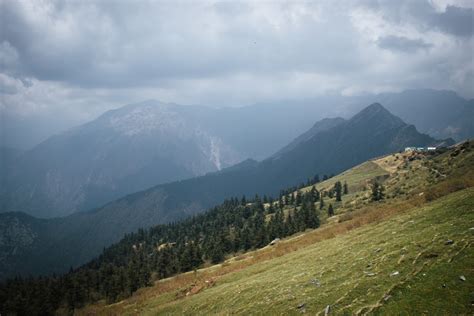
{"x": 78, "y": 58}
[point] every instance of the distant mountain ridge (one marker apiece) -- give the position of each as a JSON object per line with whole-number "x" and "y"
{"x": 122, "y": 151}
{"x": 69, "y": 241}
{"x": 319, "y": 126}
{"x": 150, "y": 143}
{"x": 439, "y": 113}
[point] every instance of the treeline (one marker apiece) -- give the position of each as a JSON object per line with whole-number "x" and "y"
{"x": 236, "y": 225}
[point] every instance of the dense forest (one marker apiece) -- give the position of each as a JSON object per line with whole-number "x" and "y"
{"x": 237, "y": 225}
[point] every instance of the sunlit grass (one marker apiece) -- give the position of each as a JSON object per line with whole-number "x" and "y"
{"x": 381, "y": 258}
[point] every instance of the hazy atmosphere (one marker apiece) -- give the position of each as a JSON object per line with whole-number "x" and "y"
{"x": 236, "y": 157}
{"x": 66, "y": 62}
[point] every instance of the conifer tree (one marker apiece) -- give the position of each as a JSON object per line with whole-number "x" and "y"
{"x": 217, "y": 254}
{"x": 377, "y": 191}
{"x": 270, "y": 209}
{"x": 290, "y": 224}
{"x": 330, "y": 210}
{"x": 245, "y": 240}
{"x": 338, "y": 190}
{"x": 314, "y": 194}
{"x": 298, "y": 198}
{"x": 313, "y": 219}
{"x": 279, "y": 224}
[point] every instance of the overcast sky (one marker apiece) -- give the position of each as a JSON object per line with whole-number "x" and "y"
{"x": 79, "y": 58}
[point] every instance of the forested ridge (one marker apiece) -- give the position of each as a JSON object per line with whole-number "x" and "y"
{"x": 237, "y": 225}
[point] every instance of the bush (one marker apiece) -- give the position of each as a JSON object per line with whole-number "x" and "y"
{"x": 446, "y": 187}
{"x": 345, "y": 217}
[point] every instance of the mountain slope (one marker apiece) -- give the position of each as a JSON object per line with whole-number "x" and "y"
{"x": 318, "y": 127}
{"x": 79, "y": 237}
{"x": 123, "y": 151}
{"x": 407, "y": 254}
{"x": 370, "y": 133}
{"x": 411, "y": 272}
{"x": 415, "y": 240}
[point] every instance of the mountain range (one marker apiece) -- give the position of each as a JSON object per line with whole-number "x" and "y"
{"x": 123, "y": 151}
{"x": 330, "y": 146}
{"x": 150, "y": 143}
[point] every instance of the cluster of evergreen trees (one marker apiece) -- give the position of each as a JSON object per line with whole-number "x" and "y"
{"x": 236, "y": 225}
{"x": 165, "y": 250}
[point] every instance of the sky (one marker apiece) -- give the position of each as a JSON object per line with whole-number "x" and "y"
{"x": 69, "y": 61}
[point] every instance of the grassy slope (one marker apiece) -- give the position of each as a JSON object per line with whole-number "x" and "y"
{"x": 351, "y": 260}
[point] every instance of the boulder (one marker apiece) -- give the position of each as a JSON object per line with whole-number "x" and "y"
{"x": 315, "y": 282}
{"x": 274, "y": 241}
{"x": 327, "y": 310}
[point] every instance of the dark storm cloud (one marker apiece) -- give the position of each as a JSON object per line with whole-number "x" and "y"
{"x": 120, "y": 44}
{"x": 41, "y": 53}
{"x": 83, "y": 55}
{"x": 402, "y": 44}
{"x": 455, "y": 20}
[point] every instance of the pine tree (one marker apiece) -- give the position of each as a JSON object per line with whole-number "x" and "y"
{"x": 270, "y": 209}
{"x": 279, "y": 224}
{"x": 260, "y": 237}
{"x": 298, "y": 198}
{"x": 313, "y": 219}
{"x": 246, "y": 239}
{"x": 314, "y": 194}
{"x": 338, "y": 190}
{"x": 186, "y": 258}
{"x": 217, "y": 254}
{"x": 299, "y": 219}
{"x": 321, "y": 202}
{"x": 346, "y": 189}
{"x": 377, "y": 191}
{"x": 290, "y": 224}
{"x": 330, "y": 210}
{"x": 133, "y": 277}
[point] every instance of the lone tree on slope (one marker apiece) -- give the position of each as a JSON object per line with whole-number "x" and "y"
{"x": 377, "y": 191}
{"x": 330, "y": 210}
{"x": 338, "y": 190}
